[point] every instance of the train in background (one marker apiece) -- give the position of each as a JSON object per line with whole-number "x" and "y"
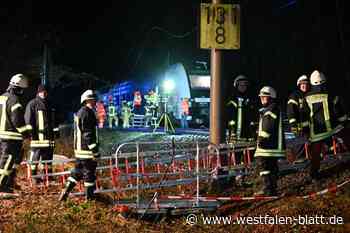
{"x": 175, "y": 84}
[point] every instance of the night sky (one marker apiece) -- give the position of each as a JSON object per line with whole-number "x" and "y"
{"x": 114, "y": 40}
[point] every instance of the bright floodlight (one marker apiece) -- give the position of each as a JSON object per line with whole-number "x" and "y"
{"x": 168, "y": 85}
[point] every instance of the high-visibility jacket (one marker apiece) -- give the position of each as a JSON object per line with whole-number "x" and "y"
{"x": 326, "y": 114}
{"x": 242, "y": 113}
{"x": 271, "y": 141}
{"x": 85, "y": 134}
{"x": 297, "y": 116}
{"x": 41, "y": 116}
{"x": 111, "y": 110}
{"x": 12, "y": 124}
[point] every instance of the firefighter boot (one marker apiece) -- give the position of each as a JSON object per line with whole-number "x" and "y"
{"x": 89, "y": 193}
{"x": 65, "y": 192}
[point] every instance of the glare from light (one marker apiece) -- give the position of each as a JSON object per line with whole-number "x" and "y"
{"x": 168, "y": 85}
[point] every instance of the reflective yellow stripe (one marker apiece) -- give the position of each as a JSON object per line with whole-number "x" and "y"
{"x": 44, "y": 143}
{"x": 89, "y": 184}
{"x": 343, "y": 118}
{"x": 41, "y": 125}
{"x": 291, "y": 101}
{"x": 3, "y": 100}
{"x": 92, "y": 146}
{"x": 292, "y": 120}
{"x": 10, "y": 135}
{"x": 24, "y": 128}
{"x": 78, "y": 133}
{"x": 83, "y": 152}
{"x": 232, "y": 123}
{"x": 80, "y": 156}
{"x": 6, "y": 170}
{"x": 239, "y": 118}
{"x": 233, "y": 103}
{"x": 14, "y": 107}
{"x": 262, "y": 173}
{"x": 269, "y": 152}
{"x": 269, "y": 113}
{"x": 264, "y": 134}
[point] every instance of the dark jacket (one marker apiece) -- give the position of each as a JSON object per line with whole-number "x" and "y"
{"x": 271, "y": 141}
{"x": 297, "y": 116}
{"x": 41, "y": 116}
{"x": 328, "y": 114}
{"x": 242, "y": 114}
{"x": 85, "y": 134}
{"x": 12, "y": 124}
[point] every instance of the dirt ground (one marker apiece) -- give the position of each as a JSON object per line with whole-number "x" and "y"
{"x": 39, "y": 211}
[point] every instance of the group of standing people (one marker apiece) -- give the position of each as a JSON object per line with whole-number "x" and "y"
{"x": 34, "y": 121}
{"x": 312, "y": 112}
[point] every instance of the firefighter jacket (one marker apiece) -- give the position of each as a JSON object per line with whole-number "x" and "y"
{"x": 111, "y": 110}
{"x": 271, "y": 141}
{"x": 242, "y": 113}
{"x": 297, "y": 116}
{"x": 12, "y": 124}
{"x": 41, "y": 116}
{"x": 326, "y": 114}
{"x": 85, "y": 134}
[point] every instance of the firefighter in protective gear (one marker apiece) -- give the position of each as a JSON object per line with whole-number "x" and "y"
{"x": 242, "y": 111}
{"x": 41, "y": 116}
{"x": 85, "y": 147}
{"x": 270, "y": 142}
{"x": 101, "y": 114}
{"x": 297, "y": 116}
{"x": 12, "y": 131}
{"x": 327, "y": 116}
{"x": 112, "y": 115}
{"x": 126, "y": 115}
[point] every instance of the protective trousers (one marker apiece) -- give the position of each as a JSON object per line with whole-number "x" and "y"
{"x": 84, "y": 169}
{"x": 112, "y": 118}
{"x": 10, "y": 158}
{"x": 45, "y": 153}
{"x": 268, "y": 168}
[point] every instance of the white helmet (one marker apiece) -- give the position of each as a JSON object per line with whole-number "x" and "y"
{"x": 88, "y": 95}
{"x": 268, "y": 91}
{"x": 239, "y": 78}
{"x": 317, "y": 78}
{"x": 19, "y": 80}
{"x": 301, "y": 79}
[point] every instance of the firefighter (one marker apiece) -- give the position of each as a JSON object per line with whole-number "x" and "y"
{"x": 241, "y": 111}
{"x": 270, "y": 142}
{"x": 327, "y": 116}
{"x": 12, "y": 131}
{"x": 101, "y": 114}
{"x": 126, "y": 114}
{"x": 297, "y": 116}
{"x": 85, "y": 147}
{"x": 112, "y": 115}
{"x": 41, "y": 116}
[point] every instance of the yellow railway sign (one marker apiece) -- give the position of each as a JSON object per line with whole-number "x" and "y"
{"x": 220, "y": 26}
